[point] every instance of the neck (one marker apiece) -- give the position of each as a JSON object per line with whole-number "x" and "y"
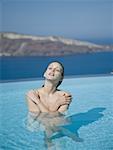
{"x": 49, "y": 87}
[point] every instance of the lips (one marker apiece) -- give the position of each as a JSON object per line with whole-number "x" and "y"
{"x": 51, "y": 74}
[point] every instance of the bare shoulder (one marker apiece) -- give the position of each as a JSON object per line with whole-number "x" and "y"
{"x": 28, "y": 93}
{"x": 60, "y": 92}
{"x": 32, "y": 92}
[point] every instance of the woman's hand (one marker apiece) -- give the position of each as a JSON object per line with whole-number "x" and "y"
{"x": 65, "y": 99}
{"x": 33, "y": 96}
{"x": 32, "y": 102}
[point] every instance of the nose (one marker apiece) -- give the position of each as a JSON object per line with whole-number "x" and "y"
{"x": 53, "y": 70}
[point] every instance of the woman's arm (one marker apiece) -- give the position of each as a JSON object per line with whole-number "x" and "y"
{"x": 67, "y": 100}
{"x": 31, "y": 95}
{"x": 32, "y": 105}
{"x": 63, "y": 108}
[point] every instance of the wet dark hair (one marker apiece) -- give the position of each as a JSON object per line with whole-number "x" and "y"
{"x": 62, "y": 72}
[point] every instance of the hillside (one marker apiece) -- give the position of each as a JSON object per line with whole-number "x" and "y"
{"x": 13, "y": 44}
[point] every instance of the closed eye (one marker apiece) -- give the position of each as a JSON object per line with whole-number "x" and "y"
{"x": 58, "y": 70}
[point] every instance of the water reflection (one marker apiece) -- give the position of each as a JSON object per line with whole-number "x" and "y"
{"x": 57, "y": 125}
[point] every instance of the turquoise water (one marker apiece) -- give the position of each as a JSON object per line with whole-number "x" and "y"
{"x": 91, "y": 115}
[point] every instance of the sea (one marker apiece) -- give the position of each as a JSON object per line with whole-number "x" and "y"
{"x": 31, "y": 67}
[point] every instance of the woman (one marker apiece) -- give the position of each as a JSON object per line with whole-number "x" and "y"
{"x": 49, "y": 99}
{"x": 47, "y": 104}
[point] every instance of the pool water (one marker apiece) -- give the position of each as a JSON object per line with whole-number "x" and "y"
{"x": 91, "y": 115}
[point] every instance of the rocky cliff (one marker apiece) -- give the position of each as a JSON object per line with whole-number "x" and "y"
{"x": 13, "y": 44}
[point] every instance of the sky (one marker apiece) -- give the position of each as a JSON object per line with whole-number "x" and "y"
{"x": 79, "y": 19}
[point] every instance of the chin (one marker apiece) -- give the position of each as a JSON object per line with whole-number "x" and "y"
{"x": 51, "y": 78}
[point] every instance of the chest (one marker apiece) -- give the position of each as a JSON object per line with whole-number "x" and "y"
{"x": 50, "y": 101}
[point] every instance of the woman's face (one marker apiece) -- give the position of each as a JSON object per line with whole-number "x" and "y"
{"x": 54, "y": 72}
